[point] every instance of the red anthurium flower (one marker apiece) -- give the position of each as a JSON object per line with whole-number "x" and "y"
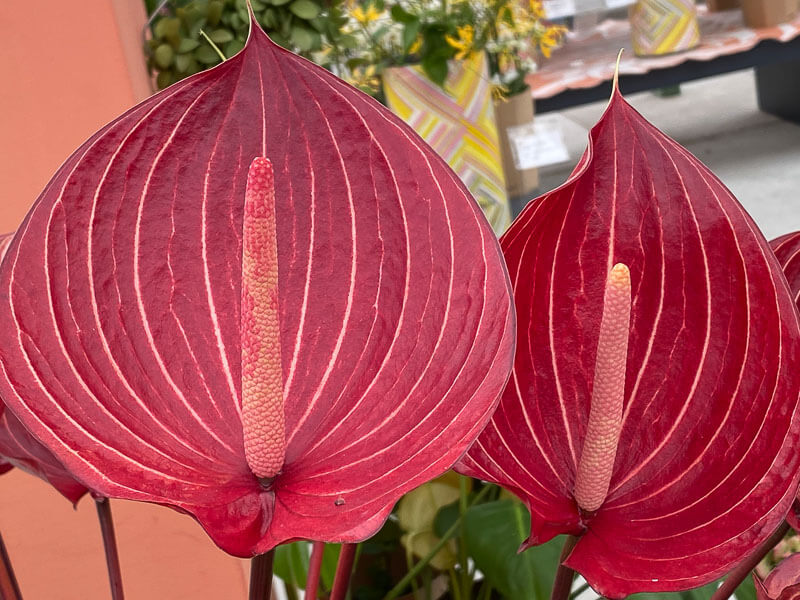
{"x": 259, "y": 298}
{"x": 783, "y": 582}
{"x": 651, "y": 409}
{"x": 787, "y": 249}
{"x": 19, "y": 448}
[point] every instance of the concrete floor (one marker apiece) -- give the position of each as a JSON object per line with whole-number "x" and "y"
{"x": 756, "y": 155}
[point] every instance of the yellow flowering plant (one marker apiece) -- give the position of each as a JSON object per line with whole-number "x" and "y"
{"x": 432, "y": 32}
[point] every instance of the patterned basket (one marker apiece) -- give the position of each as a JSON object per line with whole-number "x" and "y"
{"x": 458, "y": 122}
{"x": 663, "y": 26}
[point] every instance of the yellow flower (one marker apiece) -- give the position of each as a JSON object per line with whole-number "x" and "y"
{"x": 364, "y": 17}
{"x": 499, "y": 92}
{"x": 416, "y": 45}
{"x": 464, "y": 41}
{"x": 536, "y": 8}
{"x": 550, "y": 39}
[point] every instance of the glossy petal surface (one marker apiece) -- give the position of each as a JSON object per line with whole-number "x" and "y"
{"x": 706, "y": 465}
{"x": 120, "y": 305}
{"x": 19, "y": 448}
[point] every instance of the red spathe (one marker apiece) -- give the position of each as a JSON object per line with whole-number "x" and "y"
{"x": 706, "y": 465}
{"x": 120, "y": 305}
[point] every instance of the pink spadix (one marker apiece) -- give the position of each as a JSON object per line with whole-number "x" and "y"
{"x": 608, "y": 392}
{"x": 262, "y": 376}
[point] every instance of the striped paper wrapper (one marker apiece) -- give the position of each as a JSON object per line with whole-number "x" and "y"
{"x": 458, "y": 122}
{"x": 663, "y": 26}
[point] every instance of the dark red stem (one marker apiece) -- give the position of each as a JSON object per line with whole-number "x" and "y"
{"x": 344, "y": 569}
{"x": 314, "y": 570}
{"x": 110, "y": 546}
{"x": 742, "y": 570}
{"x": 261, "y": 576}
{"x": 9, "y": 588}
{"x": 564, "y": 575}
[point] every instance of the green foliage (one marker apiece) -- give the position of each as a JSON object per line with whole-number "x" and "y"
{"x": 493, "y": 533}
{"x": 291, "y": 564}
{"x": 177, "y": 48}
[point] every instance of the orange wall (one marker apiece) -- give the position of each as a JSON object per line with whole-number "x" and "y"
{"x": 68, "y": 68}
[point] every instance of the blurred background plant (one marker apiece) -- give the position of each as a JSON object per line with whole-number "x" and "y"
{"x": 177, "y": 47}
{"x": 432, "y": 33}
{"x": 356, "y": 39}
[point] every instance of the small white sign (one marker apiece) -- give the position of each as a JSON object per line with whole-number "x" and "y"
{"x": 557, "y": 9}
{"x": 538, "y": 144}
{"x": 611, "y": 4}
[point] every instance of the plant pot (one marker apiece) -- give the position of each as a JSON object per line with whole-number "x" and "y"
{"x": 458, "y": 121}
{"x": 663, "y": 26}
{"x": 515, "y": 110}
{"x": 720, "y": 5}
{"x": 768, "y": 13}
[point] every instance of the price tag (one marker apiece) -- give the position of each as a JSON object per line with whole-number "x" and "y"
{"x": 538, "y": 144}
{"x": 557, "y": 9}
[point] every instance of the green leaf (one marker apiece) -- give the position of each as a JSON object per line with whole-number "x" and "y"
{"x": 305, "y": 9}
{"x": 435, "y": 68}
{"x": 746, "y": 591}
{"x": 215, "y": 11}
{"x": 493, "y": 532}
{"x": 233, "y": 47}
{"x": 278, "y": 2}
{"x": 410, "y": 32}
{"x": 401, "y": 15}
{"x": 221, "y": 36}
{"x": 330, "y": 558}
{"x": 304, "y": 39}
{"x": 206, "y": 55}
{"x": 187, "y": 45}
{"x": 163, "y": 56}
{"x": 291, "y": 563}
{"x": 182, "y": 62}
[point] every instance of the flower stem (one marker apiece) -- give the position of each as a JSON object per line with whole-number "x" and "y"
{"x": 344, "y": 569}
{"x": 110, "y": 546}
{"x": 564, "y": 575}
{"x": 261, "y": 576}
{"x": 9, "y": 588}
{"x": 401, "y": 585}
{"x": 314, "y": 569}
{"x": 742, "y": 570}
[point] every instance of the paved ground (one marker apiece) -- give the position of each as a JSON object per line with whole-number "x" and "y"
{"x": 756, "y": 155}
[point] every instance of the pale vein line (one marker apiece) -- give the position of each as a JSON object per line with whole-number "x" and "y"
{"x": 138, "y": 287}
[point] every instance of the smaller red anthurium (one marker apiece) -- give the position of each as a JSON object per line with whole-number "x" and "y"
{"x": 782, "y": 583}
{"x": 652, "y": 409}
{"x": 259, "y": 298}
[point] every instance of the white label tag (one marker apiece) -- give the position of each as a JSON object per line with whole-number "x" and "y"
{"x": 538, "y": 144}
{"x": 556, "y": 9}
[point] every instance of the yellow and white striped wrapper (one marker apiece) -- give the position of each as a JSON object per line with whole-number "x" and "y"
{"x": 459, "y": 124}
{"x": 663, "y": 26}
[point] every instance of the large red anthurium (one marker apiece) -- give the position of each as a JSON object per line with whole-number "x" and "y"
{"x": 259, "y": 298}
{"x": 652, "y": 407}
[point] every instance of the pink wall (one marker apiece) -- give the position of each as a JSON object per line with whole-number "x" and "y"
{"x": 68, "y": 68}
